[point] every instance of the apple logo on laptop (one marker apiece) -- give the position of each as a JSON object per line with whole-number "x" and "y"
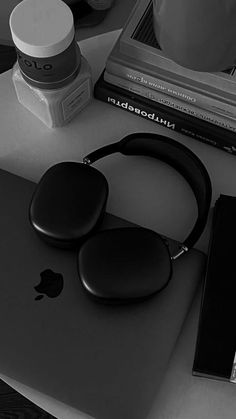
{"x": 51, "y": 284}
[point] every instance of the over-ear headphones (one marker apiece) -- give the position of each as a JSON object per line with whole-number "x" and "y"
{"x": 123, "y": 264}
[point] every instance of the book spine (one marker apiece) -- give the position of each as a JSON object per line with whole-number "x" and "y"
{"x": 171, "y": 89}
{"x": 174, "y": 103}
{"x": 216, "y": 92}
{"x": 145, "y": 53}
{"x": 168, "y": 118}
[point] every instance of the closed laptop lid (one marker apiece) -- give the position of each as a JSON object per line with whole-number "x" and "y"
{"x": 103, "y": 360}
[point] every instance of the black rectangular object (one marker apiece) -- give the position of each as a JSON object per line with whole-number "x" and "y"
{"x": 216, "y": 340}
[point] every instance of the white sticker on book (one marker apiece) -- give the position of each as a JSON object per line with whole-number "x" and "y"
{"x": 233, "y": 372}
{"x": 76, "y": 100}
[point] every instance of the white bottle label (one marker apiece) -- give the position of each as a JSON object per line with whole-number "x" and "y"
{"x": 76, "y": 100}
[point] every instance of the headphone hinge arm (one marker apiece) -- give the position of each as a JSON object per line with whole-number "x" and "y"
{"x": 183, "y": 249}
{"x": 87, "y": 161}
{"x": 101, "y": 152}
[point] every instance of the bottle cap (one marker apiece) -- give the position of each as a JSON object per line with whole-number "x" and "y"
{"x": 42, "y": 28}
{"x": 44, "y": 35}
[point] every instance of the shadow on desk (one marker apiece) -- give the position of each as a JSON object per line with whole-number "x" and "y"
{"x": 7, "y": 57}
{"x": 13, "y": 404}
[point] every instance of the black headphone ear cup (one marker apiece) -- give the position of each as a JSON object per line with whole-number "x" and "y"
{"x": 68, "y": 203}
{"x": 124, "y": 264}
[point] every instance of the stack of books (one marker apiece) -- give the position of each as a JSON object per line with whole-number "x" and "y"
{"x": 141, "y": 79}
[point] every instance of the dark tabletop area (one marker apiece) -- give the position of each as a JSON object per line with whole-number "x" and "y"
{"x": 14, "y": 405}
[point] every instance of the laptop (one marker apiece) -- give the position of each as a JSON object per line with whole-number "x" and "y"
{"x": 105, "y": 361}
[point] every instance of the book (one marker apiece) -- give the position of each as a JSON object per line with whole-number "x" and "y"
{"x": 163, "y": 115}
{"x": 138, "y": 41}
{"x": 147, "y": 75}
{"x": 172, "y": 102}
{"x": 215, "y": 354}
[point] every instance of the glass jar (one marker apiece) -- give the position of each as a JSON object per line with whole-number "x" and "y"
{"x": 51, "y": 77}
{"x": 55, "y": 107}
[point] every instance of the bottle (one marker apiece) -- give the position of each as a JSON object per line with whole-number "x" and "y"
{"x": 51, "y": 77}
{"x": 197, "y": 34}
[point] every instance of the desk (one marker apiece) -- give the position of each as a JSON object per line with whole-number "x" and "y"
{"x": 160, "y": 199}
{"x": 141, "y": 190}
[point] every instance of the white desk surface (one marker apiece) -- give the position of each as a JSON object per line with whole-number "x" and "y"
{"x": 142, "y": 190}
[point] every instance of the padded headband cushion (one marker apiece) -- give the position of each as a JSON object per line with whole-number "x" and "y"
{"x": 185, "y": 162}
{"x": 176, "y": 155}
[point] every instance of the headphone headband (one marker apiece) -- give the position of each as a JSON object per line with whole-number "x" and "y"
{"x": 176, "y": 155}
